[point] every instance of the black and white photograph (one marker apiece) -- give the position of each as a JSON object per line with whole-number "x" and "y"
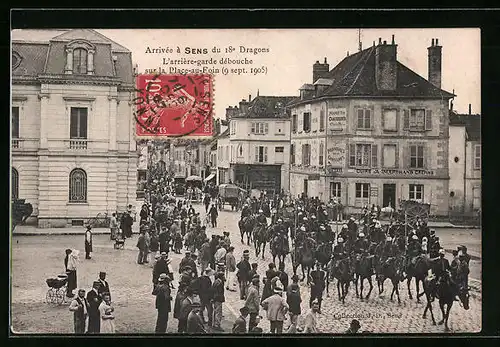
{"x": 245, "y": 181}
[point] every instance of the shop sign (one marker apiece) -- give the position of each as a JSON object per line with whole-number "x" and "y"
{"x": 396, "y": 172}
{"x": 337, "y": 119}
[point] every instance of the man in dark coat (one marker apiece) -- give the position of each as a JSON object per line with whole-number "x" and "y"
{"x": 318, "y": 277}
{"x": 213, "y": 215}
{"x": 206, "y": 295}
{"x": 163, "y": 303}
{"x": 243, "y": 274}
{"x": 88, "y": 242}
{"x": 206, "y": 202}
{"x": 185, "y": 309}
{"x": 161, "y": 266}
{"x": 218, "y": 299}
{"x": 283, "y": 276}
{"x": 214, "y": 242}
{"x": 104, "y": 287}
{"x": 94, "y": 300}
{"x": 164, "y": 239}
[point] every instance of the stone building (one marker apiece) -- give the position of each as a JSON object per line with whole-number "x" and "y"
{"x": 259, "y": 143}
{"x": 73, "y": 147}
{"x": 223, "y": 164}
{"x": 465, "y": 163}
{"x": 372, "y": 131}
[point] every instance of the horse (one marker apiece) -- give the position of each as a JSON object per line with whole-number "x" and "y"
{"x": 323, "y": 254}
{"x": 419, "y": 272}
{"x": 341, "y": 270}
{"x": 259, "y": 236}
{"x": 303, "y": 255}
{"x": 279, "y": 247}
{"x": 445, "y": 290}
{"x": 390, "y": 269}
{"x": 246, "y": 225}
{"x": 364, "y": 270}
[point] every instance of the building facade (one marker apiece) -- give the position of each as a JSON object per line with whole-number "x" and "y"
{"x": 372, "y": 132}
{"x": 465, "y": 163}
{"x": 259, "y": 143}
{"x": 73, "y": 149}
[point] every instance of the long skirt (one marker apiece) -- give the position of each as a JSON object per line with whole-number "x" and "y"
{"x": 72, "y": 284}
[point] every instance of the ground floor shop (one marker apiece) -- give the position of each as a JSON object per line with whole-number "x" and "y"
{"x": 69, "y": 190}
{"x": 356, "y": 192}
{"x": 271, "y": 178}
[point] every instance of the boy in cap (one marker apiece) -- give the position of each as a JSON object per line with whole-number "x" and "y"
{"x": 240, "y": 324}
{"x": 194, "y": 323}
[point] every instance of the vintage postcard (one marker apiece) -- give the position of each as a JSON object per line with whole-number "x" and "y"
{"x": 245, "y": 181}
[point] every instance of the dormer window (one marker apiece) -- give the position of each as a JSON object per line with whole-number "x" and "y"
{"x": 80, "y": 61}
{"x": 80, "y": 58}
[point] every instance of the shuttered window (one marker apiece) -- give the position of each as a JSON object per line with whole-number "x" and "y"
{"x": 417, "y": 120}
{"x": 292, "y": 154}
{"x": 321, "y": 154}
{"x": 322, "y": 120}
{"x": 261, "y": 154}
{"x": 417, "y": 157}
{"x": 477, "y": 157}
{"x": 306, "y": 154}
{"x": 294, "y": 123}
{"x": 307, "y": 122}
{"x": 363, "y": 155}
{"x": 364, "y": 120}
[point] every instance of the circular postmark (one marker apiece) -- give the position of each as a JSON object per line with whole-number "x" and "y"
{"x": 173, "y": 105}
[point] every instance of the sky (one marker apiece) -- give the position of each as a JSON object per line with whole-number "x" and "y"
{"x": 292, "y": 52}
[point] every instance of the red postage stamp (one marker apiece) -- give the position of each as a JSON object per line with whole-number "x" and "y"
{"x": 170, "y": 106}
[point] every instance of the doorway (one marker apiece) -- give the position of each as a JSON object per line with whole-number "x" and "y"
{"x": 389, "y": 195}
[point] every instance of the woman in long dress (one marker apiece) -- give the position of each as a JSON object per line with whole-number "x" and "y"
{"x": 107, "y": 316}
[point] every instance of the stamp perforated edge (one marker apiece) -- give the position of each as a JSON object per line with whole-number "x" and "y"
{"x": 138, "y": 138}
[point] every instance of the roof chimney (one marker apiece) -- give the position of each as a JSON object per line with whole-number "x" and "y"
{"x": 393, "y": 39}
{"x": 320, "y": 70}
{"x": 249, "y": 97}
{"x": 470, "y": 109}
{"x": 379, "y": 40}
{"x": 434, "y": 64}
{"x": 386, "y": 66}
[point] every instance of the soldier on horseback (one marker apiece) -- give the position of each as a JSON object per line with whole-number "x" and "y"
{"x": 246, "y": 211}
{"x": 314, "y": 224}
{"x": 388, "y": 250}
{"x": 361, "y": 245}
{"x": 435, "y": 247}
{"x": 339, "y": 251}
{"x": 261, "y": 218}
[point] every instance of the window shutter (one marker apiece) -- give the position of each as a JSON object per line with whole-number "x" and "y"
{"x": 352, "y": 154}
{"x": 398, "y": 115}
{"x": 266, "y": 128}
{"x": 406, "y": 156}
{"x": 428, "y": 120}
{"x": 374, "y": 156}
{"x": 382, "y": 157}
{"x": 382, "y": 119}
{"x": 369, "y": 116}
{"x": 406, "y": 119}
{"x": 427, "y": 158}
{"x": 253, "y": 128}
{"x": 265, "y": 154}
{"x": 396, "y": 162}
{"x": 359, "y": 115}
{"x": 73, "y": 130}
{"x": 256, "y": 153}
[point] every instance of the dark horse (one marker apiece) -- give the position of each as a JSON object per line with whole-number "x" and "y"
{"x": 303, "y": 255}
{"x": 418, "y": 270}
{"x": 324, "y": 253}
{"x": 341, "y": 270}
{"x": 279, "y": 247}
{"x": 445, "y": 290}
{"x": 390, "y": 269}
{"x": 259, "y": 236}
{"x": 246, "y": 225}
{"x": 364, "y": 270}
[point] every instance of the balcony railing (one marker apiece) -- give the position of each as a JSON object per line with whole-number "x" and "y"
{"x": 78, "y": 144}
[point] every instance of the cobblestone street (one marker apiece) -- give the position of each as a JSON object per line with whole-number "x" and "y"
{"x": 35, "y": 258}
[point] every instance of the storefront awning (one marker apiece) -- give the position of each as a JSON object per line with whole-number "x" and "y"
{"x": 212, "y": 175}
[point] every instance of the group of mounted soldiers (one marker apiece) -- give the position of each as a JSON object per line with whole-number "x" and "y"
{"x": 360, "y": 249}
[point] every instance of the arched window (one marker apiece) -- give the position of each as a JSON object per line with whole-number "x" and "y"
{"x": 78, "y": 186}
{"x": 15, "y": 184}
{"x": 80, "y": 61}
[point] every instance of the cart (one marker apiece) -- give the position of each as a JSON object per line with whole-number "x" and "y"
{"x": 229, "y": 194}
{"x": 57, "y": 289}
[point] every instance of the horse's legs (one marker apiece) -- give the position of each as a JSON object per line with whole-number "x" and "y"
{"x": 441, "y": 306}
{"x": 361, "y": 287}
{"x": 263, "y": 249}
{"x": 417, "y": 284}
{"x": 339, "y": 287}
{"x": 395, "y": 284}
{"x": 447, "y": 315}
{"x": 356, "y": 284}
{"x": 303, "y": 273}
{"x": 371, "y": 286}
{"x": 408, "y": 282}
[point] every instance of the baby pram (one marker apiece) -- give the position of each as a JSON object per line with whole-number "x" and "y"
{"x": 57, "y": 289}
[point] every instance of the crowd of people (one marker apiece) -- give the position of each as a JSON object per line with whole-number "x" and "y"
{"x": 210, "y": 268}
